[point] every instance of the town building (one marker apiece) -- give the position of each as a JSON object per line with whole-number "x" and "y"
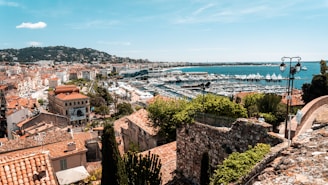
{"x": 66, "y": 100}
{"x": 140, "y": 132}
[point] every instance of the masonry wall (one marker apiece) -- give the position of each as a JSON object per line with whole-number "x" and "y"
{"x": 139, "y": 137}
{"x": 194, "y": 140}
{"x": 57, "y": 120}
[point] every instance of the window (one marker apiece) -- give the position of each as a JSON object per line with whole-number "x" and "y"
{"x": 63, "y": 164}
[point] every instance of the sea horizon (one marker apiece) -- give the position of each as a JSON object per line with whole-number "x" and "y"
{"x": 263, "y": 69}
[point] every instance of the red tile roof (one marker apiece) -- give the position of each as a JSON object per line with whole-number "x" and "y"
{"x": 71, "y": 96}
{"x": 140, "y": 118}
{"x": 296, "y": 98}
{"x": 167, "y": 154}
{"x": 66, "y": 89}
{"x": 55, "y": 150}
{"x": 27, "y": 169}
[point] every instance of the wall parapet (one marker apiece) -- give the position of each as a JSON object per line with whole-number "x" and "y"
{"x": 193, "y": 140}
{"x": 307, "y": 111}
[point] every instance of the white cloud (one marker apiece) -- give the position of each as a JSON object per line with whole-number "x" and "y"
{"x": 29, "y": 25}
{"x": 8, "y": 3}
{"x": 34, "y": 43}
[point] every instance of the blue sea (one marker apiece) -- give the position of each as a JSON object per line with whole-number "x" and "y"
{"x": 304, "y": 76}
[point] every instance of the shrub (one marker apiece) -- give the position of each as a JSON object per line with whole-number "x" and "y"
{"x": 238, "y": 165}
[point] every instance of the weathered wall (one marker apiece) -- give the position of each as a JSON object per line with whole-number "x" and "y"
{"x": 307, "y": 111}
{"x": 135, "y": 134}
{"x": 57, "y": 120}
{"x": 195, "y": 139}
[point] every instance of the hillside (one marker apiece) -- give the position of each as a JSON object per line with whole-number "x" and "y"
{"x": 59, "y": 53}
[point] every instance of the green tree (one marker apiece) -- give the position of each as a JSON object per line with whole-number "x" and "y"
{"x": 323, "y": 67}
{"x": 218, "y": 105}
{"x": 268, "y": 103}
{"x": 102, "y": 110}
{"x": 143, "y": 170}
{"x": 165, "y": 114}
{"x": 317, "y": 88}
{"x": 101, "y": 91}
{"x": 250, "y": 103}
{"x": 124, "y": 109}
{"x": 97, "y": 101}
{"x": 113, "y": 169}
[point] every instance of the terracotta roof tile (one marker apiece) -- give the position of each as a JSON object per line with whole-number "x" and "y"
{"x": 167, "y": 154}
{"x": 141, "y": 119}
{"x": 55, "y": 150}
{"x": 27, "y": 169}
{"x": 52, "y": 136}
{"x": 71, "y": 96}
{"x": 118, "y": 126}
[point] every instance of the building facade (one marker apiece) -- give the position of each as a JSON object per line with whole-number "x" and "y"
{"x": 67, "y": 101}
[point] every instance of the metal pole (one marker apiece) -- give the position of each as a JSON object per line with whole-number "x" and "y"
{"x": 288, "y": 98}
{"x": 292, "y": 71}
{"x": 289, "y": 136}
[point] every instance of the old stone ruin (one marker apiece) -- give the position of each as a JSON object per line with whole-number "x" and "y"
{"x": 193, "y": 140}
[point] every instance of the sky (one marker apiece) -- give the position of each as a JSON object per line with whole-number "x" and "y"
{"x": 172, "y": 30}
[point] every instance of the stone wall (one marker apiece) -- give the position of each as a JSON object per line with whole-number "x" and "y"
{"x": 193, "y": 140}
{"x": 55, "y": 119}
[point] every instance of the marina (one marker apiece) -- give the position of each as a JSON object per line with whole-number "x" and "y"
{"x": 224, "y": 80}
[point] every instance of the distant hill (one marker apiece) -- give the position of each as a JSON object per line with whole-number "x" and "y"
{"x": 59, "y": 53}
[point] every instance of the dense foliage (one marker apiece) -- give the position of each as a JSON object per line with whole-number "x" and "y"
{"x": 61, "y": 53}
{"x": 113, "y": 169}
{"x": 318, "y": 86}
{"x": 165, "y": 114}
{"x": 218, "y": 105}
{"x": 124, "y": 109}
{"x": 168, "y": 114}
{"x": 143, "y": 170}
{"x": 238, "y": 165}
{"x": 250, "y": 103}
{"x": 268, "y": 106}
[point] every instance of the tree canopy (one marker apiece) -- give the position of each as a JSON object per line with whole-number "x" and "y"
{"x": 317, "y": 88}
{"x": 168, "y": 114}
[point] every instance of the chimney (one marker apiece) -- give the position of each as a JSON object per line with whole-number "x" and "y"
{"x": 71, "y": 146}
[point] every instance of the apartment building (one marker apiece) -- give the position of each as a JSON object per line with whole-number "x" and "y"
{"x": 66, "y": 100}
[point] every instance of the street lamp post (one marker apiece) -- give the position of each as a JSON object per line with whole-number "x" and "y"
{"x": 292, "y": 71}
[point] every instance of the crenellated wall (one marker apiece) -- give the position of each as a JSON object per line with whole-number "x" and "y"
{"x": 193, "y": 140}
